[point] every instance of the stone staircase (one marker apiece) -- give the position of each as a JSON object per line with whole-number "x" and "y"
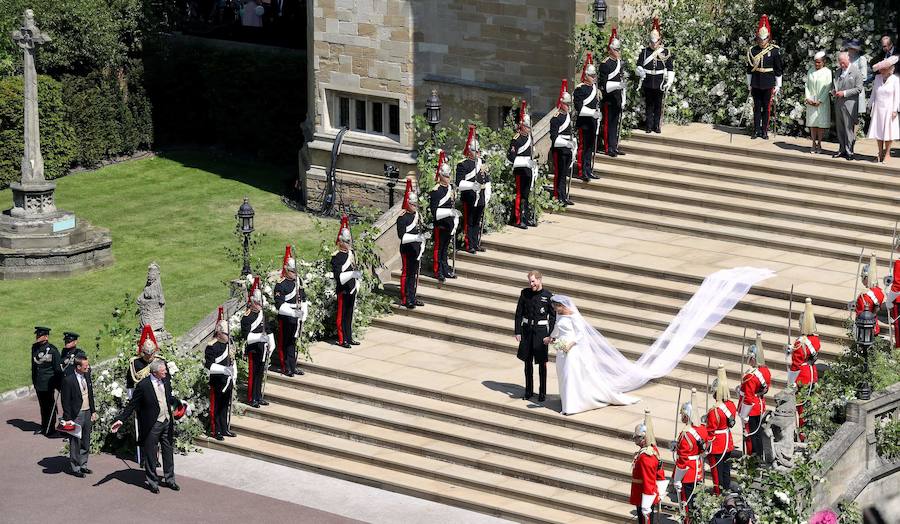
{"x": 429, "y": 404}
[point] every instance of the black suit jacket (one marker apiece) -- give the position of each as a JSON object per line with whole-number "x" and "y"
{"x": 143, "y": 400}
{"x": 71, "y": 396}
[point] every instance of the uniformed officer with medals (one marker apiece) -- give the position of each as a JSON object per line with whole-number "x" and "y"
{"x": 752, "y": 405}
{"x": 412, "y": 245}
{"x": 520, "y": 153}
{"x": 562, "y": 145}
{"x": 763, "y": 77}
{"x": 586, "y": 98}
{"x": 442, "y": 204}
{"x": 611, "y": 80}
{"x": 260, "y": 344}
{"x": 290, "y": 301}
{"x": 219, "y": 361}
{"x": 347, "y": 281}
{"x": 46, "y": 376}
{"x": 690, "y": 448}
{"x": 656, "y": 70}
{"x": 648, "y": 480}
{"x": 70, "y": 351}
{"x": 534, "y": 322}
{"x": 474, "y": 190}
{"x": 138, "y": 366}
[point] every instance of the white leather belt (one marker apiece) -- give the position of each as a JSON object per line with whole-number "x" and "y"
{"x": 613, "y": 86}
{"x": 655, "y": 71}
{"x": 693, "y": 457}
{"x": 586, "y": 111}
{"x": 562, "y": 141}
{"x": 722, "y": 431}
{"x": 522, "y": 161}
{"x": 526, "y": 322}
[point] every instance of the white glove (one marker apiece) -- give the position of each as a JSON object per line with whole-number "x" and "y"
{"x": 572, "y": 145}
{"x": 670, "y": 79}
{"x": 304, "y": 311}
{"x": 792, "y": 376}
{"x": 597, "y": 115}
{"x": 749, "y": 78}
{"x": 357, "y": 275}
{"x": 777, "y": 84}
{"x": 346, "y": 276}
{"x": 476, "y": 187}
{"x": 426, "y": 236}
{"x": 443, "y": 213}
{"x": 171, "y": 367}
{"x": 219, "y": 369}
{"x": 270, "y": 342}
{"x": 678, "y": 487}
{"x": 189, "y": 410}
{"x": 745, "y": 411}
{"x": 788, "y": 349}
{"x": 641, "y": 73}
{"x": 487, "y": 193}
{"x": 456, "y": 213}
{"x": 647, "y": 503}
{"x": 662, "y": 487}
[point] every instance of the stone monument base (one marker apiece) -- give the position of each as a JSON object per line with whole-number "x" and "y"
{"x": 53, "y": 244}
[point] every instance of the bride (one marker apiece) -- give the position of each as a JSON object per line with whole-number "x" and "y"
{"x": 593, "y": 374}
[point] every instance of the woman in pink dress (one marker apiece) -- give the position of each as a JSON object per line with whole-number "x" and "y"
{"x": 884, "y": 104}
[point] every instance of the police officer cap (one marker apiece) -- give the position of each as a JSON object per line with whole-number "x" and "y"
{"x": 69, "y": 336}
{"x": 40, "y": 331}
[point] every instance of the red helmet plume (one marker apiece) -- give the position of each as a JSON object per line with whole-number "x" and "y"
{"x": 253, "y": 289}
{"x": 443, "y": 168}
{"x": 614, "y": 42}
{"x": 288, "y": 260}
{"x": 147, "y": 334}
{"x": 564, "y": 97}
{"x": 409, "y": 196}
{"x": 588, "y": 68}
{"x": 656, "y": 32}
{"x": 764, "y": 29}
{"x": 471, "y": 142}
{"x": 344, "y": 234}
{"x": 524, "y": 118}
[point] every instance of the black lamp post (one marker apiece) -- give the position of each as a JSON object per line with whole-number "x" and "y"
{"x": 600, "y": 13}
{"x": 433, "y": 112}
{"x": 245, "y": 224}
{"x": 865, "y": 337}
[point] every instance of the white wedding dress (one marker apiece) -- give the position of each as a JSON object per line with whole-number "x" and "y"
{"x": 594, "y": 374}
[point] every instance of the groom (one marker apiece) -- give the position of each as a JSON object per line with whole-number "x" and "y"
{"x": 534, "y": 322}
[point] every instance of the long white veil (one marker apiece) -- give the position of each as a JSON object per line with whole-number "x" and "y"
{"x": 713, "y": 300}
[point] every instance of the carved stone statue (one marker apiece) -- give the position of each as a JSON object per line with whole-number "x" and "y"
{"x": 780, "y": 429}
{"x": 152, "y": 304}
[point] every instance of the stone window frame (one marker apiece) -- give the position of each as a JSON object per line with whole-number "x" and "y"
{"x": 332, "y": 94}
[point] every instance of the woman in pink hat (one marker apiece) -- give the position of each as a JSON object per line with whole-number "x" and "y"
{"x": 884, "y": 104}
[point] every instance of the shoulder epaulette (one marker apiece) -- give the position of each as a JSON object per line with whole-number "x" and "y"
{"x": 335, "y": 253}
{"x": 247, "y": 312}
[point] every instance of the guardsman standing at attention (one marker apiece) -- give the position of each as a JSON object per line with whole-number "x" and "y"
{"x": 872, "y": 296}
{"x": 290, "y": 301}
{"x": 754, "y": 386}
{"x": 656, "y": 70}
{"x": 535, "y": 318}
{"x": 804, "y": 353}
{"x": 219, "y": 361}
{"x": 446, "y": 219}
{"x": 719, "y": 421}
{"x": 587, "y": 110}
{"x": 70, "y": 351}
{"x": 690, "y": 447}
{"x": 347, "y": 280}
{"x": 520, "y": 154}
{"x": 562, "y": 146}
{"x": 138, "y": 367}
{"x": 259, "y": 344}
{"x": 412, "y": 245}
{"x": 648, "y": 480}
{"x": 763, "y": 77}
{"x": 46, "y": 375}
{"x": 469, "y": 178}
{"x": 611, "y": 80}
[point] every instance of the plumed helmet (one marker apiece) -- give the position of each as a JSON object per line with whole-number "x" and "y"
{"x": 870, "y": 270}
{"x": 222, "y": 327}
{"x": 524, "y": 117}
{"x": 443, "y": 168}
{"x": 409, "y": 196}
{"x": 764, "y": 29}
{"x": 254, "y": 295}
{"x": 645, "y": 430}
{"x": 564, "y": 97}
{"x": 288, "y": 263}
{"x": 720, "y": 384}
{"x": 687, "y": 409}
{"x": 614, "y": 42}
{"x": 588, "y": 69}
{"x": 147, "y": 344}
{"x": 472, "y": 145}
{"x": 655, "y": 33}
{"x": 756, "y": 351}
{"x": 344, "y": 234}
{"x": 808, "y": 319}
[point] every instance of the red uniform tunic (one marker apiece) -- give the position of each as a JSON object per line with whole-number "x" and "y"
{"x": 691, "y": 444}
{"x": 645, "y": 471}
{"x": 870, "y": 300}
{"x": 806, "y": 348}
{"x": 753, "y": 389}
{"x": 717, "y": 427}
{"x": 892, "y": 298}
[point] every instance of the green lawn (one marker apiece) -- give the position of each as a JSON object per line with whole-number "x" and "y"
{"x": 177, "y": 210}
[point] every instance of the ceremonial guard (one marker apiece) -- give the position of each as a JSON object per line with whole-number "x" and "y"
{"x": 412, "y": 245}
{"x": 562, "y": 146}
{"x": 46, "y": 374}
{"x": 648, "y": 480}
{"x": 586, "y": 98}
{"x": 446, "y": 218}
{"x": 872, "y": 296}
{"x": 471, "y": 180}
{"x": 219, "y": 361}
{"x": 259, "y": 345}
{"x": 347, "y": 280}
{"x": 138, "y": 368}
{"x": 891, "y": 301}
{"x": 763, "y": 77}
{"x": 805, "y": 351}
{"x": 290, "y": 301}
{"x": 754, "y": 386}
{"x": 656, "y": 71}
{"x": 611, "y": 79}
{"x": 70, "y": 351}
{"x": 719, "y": 421}
{"x": 520, "y": 154}
{"x": 534, "y": 321}
{"x": 690, "y": 446}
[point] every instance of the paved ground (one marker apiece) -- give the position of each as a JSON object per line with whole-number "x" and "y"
{"x": 36, "y": 488}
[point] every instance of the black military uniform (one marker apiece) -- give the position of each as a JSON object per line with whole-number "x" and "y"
{"x": 561, "y": 154}
{"x": 587, "y": 103}
{"x": 68, "y": 354}
{"x": 289, "y": 295}
{"x": 254, "y": 323}
{"x": 535, "y": 318}
{"x": 470, "y": 180}
{"x": 137, "y": 370}
{"x": 46, "y": 376}
{"x": 657, "y": 63}
{"x": 520, "y": 151}
{"x": 411, "y": 247}
{"x": 611, "y": 79}
{"x": 441, "y": 197}
{"x": 221, "y": 387}
{"x": 764, "y": 69}
{"x": 343, "y": 263}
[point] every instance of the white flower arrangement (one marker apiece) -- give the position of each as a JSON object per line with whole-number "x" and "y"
{"x": 561, "y": 345}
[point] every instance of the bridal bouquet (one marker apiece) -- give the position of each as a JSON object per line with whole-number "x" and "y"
{"x": 561, "y": 345}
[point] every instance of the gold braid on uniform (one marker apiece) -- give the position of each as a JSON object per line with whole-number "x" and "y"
{"x": 754, "y": 61}
{"x": 137, "y": 376}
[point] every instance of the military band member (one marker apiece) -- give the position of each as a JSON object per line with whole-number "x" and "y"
{"x": 219, "y": 361}
{"x": 534, "y": 322}
{"x": 70, "y": 351}
{"x": 690, "y": 446}
{"x": 872, "y": 297}
{"x": 648, "y": 480}
{"x": 521, "y": 155}
{"x": 562, "y": 146}
{"x": 752, "y": 405}
{"x": 259, "y": 344}
{"x": 763, "y": 77}
{"x": 290, "y": 301}
{"x": 470, "y": 179}
{"x": 611, "y": 80}
{"x": 586, "y": 98}
{"x": 805, "y": 351}
{"x": 347, "y": 280}
{"x": 719, "y": 421}
{"x": 412, "y": 245}
{"x": 148, "y": 351}
{"x": 46, "y": 374}
{"x": 656, "y": 69}
{"x": 446, "y": 219}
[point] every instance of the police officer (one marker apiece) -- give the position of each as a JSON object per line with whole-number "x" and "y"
{"x": 656, "y": 70}
{"x": 219, "y": 361}
{"x": 763, "y": 77}
{"x": 412, "y": 245}
{"x": 611, "y": 80}
{"x": 562, "y": 145}
{"x": 586, "y": 98}
{"x": 259, "y": 344}
{"x": 70, "y": 351}
{"x": 535, "y": 318}
{"x": 46, "y": 375}
{"x": 290, "y": 301}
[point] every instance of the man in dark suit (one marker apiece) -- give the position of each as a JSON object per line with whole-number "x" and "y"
{"x": 156, "y": 410}
{"x": 534, "y": 323}
{"x": 78, "y": 408}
